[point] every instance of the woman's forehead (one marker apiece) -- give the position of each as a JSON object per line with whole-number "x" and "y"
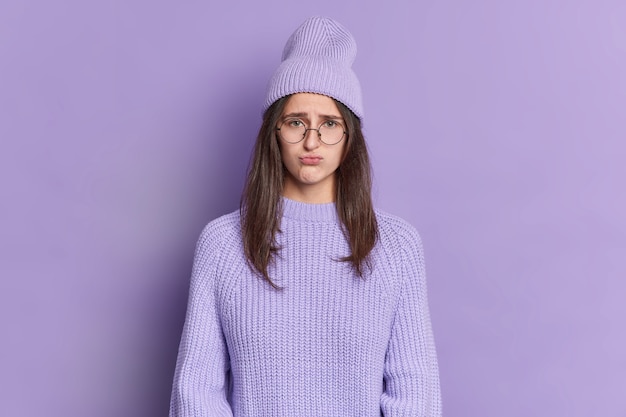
{"x": 311, "y": 104}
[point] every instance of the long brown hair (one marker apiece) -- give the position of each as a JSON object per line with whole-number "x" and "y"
{"x": 261, "y": 207}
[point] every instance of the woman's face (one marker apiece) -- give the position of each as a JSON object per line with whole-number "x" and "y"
{"x": 311, "y": 164}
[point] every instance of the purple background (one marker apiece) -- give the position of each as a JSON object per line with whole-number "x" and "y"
{"x": 496, "y": 127}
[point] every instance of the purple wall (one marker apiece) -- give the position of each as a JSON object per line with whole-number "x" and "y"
{"x": 497, "y": 128}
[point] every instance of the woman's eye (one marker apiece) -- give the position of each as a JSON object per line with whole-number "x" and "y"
{"x": 295, "y": 123}
{"x": 331, "y": 124}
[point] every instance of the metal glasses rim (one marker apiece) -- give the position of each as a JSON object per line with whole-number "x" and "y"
{"x": 319, "y": 134}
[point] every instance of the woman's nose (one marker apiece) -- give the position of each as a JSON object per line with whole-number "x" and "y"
{"x": 312, "y": 140}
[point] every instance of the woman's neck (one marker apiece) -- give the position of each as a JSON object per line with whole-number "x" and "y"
{"x": 313, "y": 193}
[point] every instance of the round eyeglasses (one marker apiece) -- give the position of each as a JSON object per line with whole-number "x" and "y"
{"x": 330, "y": 132}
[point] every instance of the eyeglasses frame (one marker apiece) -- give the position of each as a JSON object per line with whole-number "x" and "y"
{"x": 306, "y": 130}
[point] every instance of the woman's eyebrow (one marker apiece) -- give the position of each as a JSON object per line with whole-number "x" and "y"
{"x": 298, "y": 115}
{"x": 306, "y": 116}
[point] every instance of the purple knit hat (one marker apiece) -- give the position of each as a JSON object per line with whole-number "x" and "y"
{"x": 318, "y": 59}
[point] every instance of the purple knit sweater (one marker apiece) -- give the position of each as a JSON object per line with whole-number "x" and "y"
{"x": 330, "y": 344}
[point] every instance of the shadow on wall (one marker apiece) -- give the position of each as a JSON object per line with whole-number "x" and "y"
{"x": 234, "y": 133}
{"x": 234, "y": 106}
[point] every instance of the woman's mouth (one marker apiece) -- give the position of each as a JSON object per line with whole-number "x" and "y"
{"x": 310, "y": 160}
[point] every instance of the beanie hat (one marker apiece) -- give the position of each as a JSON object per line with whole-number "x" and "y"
{"x": 318, "y": 59}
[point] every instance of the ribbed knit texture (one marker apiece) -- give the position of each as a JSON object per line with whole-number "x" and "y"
{"x": 330, "y": 344}
{"x": 318, "y": 59}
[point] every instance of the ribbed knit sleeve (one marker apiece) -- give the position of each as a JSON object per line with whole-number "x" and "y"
{"x": 200, "y": 380}
{"x": 411, "y": 375}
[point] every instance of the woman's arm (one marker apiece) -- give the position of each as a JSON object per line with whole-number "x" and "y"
{"x": 200, "y": 382}
{"x": 411, "y": 376}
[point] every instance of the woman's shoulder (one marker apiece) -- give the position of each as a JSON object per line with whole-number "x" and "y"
{"x": 396, "y": 231}
{"x": 221, "y": 231}
{"x": 218, "y": 249}
{"x": 391, "y": 223}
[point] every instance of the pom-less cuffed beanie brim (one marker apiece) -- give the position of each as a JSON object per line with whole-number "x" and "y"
{"x": 318, "y": 59}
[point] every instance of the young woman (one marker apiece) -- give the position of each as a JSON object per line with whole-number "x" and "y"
{"x": 307, "y": 301}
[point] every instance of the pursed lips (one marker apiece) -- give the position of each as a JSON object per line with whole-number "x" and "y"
{"x": 310, "y": 159}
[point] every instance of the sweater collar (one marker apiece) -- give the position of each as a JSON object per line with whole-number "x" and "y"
{"x": 325, "y": 212}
